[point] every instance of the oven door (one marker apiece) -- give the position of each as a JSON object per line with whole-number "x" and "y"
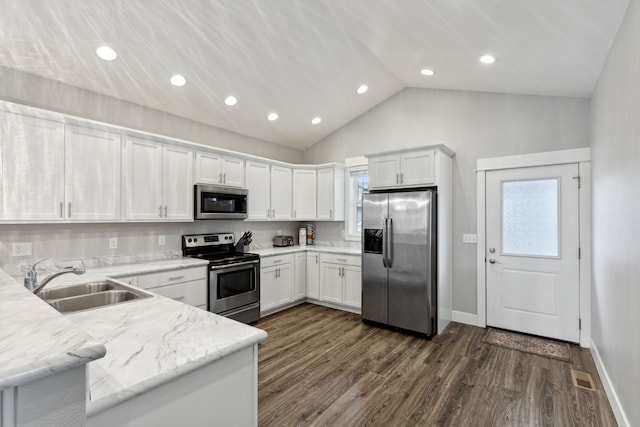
{"x": 215, "y": 202}
{"x": 232, "y": 286}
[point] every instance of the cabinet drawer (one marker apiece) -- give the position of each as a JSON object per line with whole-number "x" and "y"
{"x": 276, "y": 260}
{"x": 150, "y": 281}
{"x": 193, "y": 293}
{"x": 354, "y": 260}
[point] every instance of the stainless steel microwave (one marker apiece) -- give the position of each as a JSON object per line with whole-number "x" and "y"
{"x": 218, "y": 202}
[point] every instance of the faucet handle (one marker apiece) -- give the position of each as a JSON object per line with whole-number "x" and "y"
{"x": 31, "y": 269}
{"x": 31, "y": 275}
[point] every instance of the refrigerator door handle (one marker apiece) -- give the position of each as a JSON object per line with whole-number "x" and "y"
{"x": 384, "y": 243}
{"x": 390, "y": 242}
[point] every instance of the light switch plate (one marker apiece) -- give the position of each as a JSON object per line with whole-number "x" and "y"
{"x": 162, "y": 240}
{"x": 113, "y": 243}
{"x": 21, "y": 249}
{"x": 470, "y": 238}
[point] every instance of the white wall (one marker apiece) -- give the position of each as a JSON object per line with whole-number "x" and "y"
{"x": 29, "y": 89}
{"x": 615, "y": 133}
{"x": 474, "y": 125}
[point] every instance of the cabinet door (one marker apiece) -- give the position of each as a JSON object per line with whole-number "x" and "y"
{"x": 177, "y": 172}
{"x": 92, "y": 174}
{"x": 268, "y": 291}
{"x": 331, "y": 282}
{"x": 32, "y": 168}
{"x": 281, "y": 193}
{"x": 258, "y": 200}
{"x": 208, "y": 168}
{"x": 285, "y": 282}
{"x": 384, "y": 171}
{"x": 313, "y": 275}
{"x": 325, "y": 194}
{"x": 300, "y": 282}
{"x": 304, "y": 194}
{"x": 143, "y": 184}
{"x": 352, "y": 280}
{"x": 233, "y": 172}
{"x": 417, "y": 168}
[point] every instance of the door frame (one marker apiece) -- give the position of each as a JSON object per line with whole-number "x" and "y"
{"x": 579, "y": 156}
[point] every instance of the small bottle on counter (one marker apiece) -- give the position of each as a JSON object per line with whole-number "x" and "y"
{"x": 302, "y": 237}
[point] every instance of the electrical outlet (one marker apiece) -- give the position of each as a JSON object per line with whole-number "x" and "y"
{"x": 21, "y": 249}
{"x": 470, "y": 238}
{"x": 162, "y": 240}
{"x": 279, "y": 233}
{"x": 113, "y": 243}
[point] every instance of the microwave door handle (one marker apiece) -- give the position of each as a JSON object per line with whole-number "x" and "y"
{"x": 384, "y": 243}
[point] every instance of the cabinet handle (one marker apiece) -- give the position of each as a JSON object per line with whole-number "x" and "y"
{"x": 224, "y": 178}
{"x": 61, "y": 209}
{"x": 401, "y": 178}
{"x": 176, "y": 278}
{"x": 69, "y": 209}
{"x": 220, "y": 178}
{"x": 273, "y": 213}
{"x": 330, "y": 213}
{"x": 160, "y": 211}
{"x": 316, "y": 259}
{"x": 268, "y": 213}
{"x": 165, "y": 211}
{"x": 294, "y": 213}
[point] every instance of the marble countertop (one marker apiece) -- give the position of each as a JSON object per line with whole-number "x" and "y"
{"x": 346, "y": 250}
{"x": 148, "y": 341}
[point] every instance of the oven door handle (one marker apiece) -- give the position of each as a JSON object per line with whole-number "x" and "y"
{"x": 233, "y": 266}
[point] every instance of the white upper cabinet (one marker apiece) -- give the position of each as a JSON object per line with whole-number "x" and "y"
{"x": 331, "y": 194}
{"x": 92, "y": 174}
{"x": 408, "y": 169}
{"x": 281, "y": 193}
{"x": 269, "y": 189}
{"x": 304, "y": 194}
{"x": 158, "y": 181}
{"x": 212, "y": 168}
{"x": 32, "y": 169}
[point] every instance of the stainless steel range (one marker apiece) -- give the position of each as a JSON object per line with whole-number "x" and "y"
{"x": 234, "y": 277}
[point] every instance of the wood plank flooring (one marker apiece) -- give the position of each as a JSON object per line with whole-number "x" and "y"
{"x": 324, "y": 367}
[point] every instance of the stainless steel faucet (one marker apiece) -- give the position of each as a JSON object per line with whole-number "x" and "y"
{"x": 31, "y": 276}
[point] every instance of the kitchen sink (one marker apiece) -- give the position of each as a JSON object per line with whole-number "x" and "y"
{"x": 86, "y": 296}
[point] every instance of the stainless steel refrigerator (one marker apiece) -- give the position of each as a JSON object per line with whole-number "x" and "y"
{"x": 399, "y": 260}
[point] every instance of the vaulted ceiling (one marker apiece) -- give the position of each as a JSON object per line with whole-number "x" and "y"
{"x": 306, "y": 58}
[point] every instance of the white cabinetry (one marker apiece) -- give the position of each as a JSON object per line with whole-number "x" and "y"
{"x": 313, "y": 275}
{"x": 276, "y": 282}
{"x": 187, "y": 285}
{"x": 92, "y": 174}
{"x": 300, "y": 278}
{"x": 340, "y": 280}
{"x": 407, "y": 169}
{"x": 47, "y": 177}
{"x": 159, "y": 182}
{"x": 269, "y": 191}
{"x": 304, "y": 194}
{"x": 212, "y": 168}
{"x": 330, "y": 194}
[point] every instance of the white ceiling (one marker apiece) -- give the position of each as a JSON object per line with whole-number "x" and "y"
{"x": 305, "y": 58}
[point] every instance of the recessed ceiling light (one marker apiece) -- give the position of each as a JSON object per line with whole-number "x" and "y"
{"x": 178, "y": 80}
{"x": 272, "y": 116}
{"x": 231, "y": 100}
{"x": 316, "y": 120}
{"x": 427, "y": 72}
{"x": 487, "y": 59}
{"x": 106, "y": 53}
{"x": 362, "y": 89}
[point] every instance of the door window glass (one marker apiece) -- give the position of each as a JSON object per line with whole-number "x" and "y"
{"x": 530, "y": 217}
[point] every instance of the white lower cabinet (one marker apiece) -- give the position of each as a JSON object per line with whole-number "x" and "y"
{"x": 276, "y": 282}
{"x": 187, "y": 285}
{"x": 340, "y": 280}
{"x": 313, "y": 275}
{"x": 299, "y": 286}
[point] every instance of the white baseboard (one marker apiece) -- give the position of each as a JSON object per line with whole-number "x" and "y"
{"x": 463, "y": 317}
{"x": 618, "y": 411}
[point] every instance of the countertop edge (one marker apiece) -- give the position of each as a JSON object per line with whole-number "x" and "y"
{"x": 103, "y": 404}
{"x": 274, "y": 251}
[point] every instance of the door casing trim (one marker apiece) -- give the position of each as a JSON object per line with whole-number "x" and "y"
{"x": 579, "y": 156}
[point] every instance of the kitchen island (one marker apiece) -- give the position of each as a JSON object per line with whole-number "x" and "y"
{"x": 166, "y": 363}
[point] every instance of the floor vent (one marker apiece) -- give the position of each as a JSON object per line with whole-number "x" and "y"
{"x": 582, "y": 380}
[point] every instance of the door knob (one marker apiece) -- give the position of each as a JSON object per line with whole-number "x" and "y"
{"x": 492, "y": 261}
{"x": 492, "y": 250}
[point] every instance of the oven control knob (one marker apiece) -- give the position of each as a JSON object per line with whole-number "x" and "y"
{"x": 195, "y": 240}
{"x": 189, "y": 240}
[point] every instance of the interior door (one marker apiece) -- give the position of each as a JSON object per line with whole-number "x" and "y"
{"x": 532, "y": 250}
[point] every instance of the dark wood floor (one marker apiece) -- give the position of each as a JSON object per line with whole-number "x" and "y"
{"x": 325, "y": 367}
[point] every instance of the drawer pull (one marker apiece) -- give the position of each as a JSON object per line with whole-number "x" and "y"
{"x": 275, "y": 261}
{"x": 176, "y": 278}
{"x": 341, "y": 259}
{"x": 178, "y": 298}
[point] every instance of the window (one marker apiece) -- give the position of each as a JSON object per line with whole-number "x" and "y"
{"x": 357, "y": 185}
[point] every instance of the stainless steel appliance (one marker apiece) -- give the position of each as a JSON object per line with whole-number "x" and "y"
{"x": 283, "y": 241}
{"x": 399, "y": 260}
{"x": 218, "y": 202}
{"x": 234, "y": 277}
